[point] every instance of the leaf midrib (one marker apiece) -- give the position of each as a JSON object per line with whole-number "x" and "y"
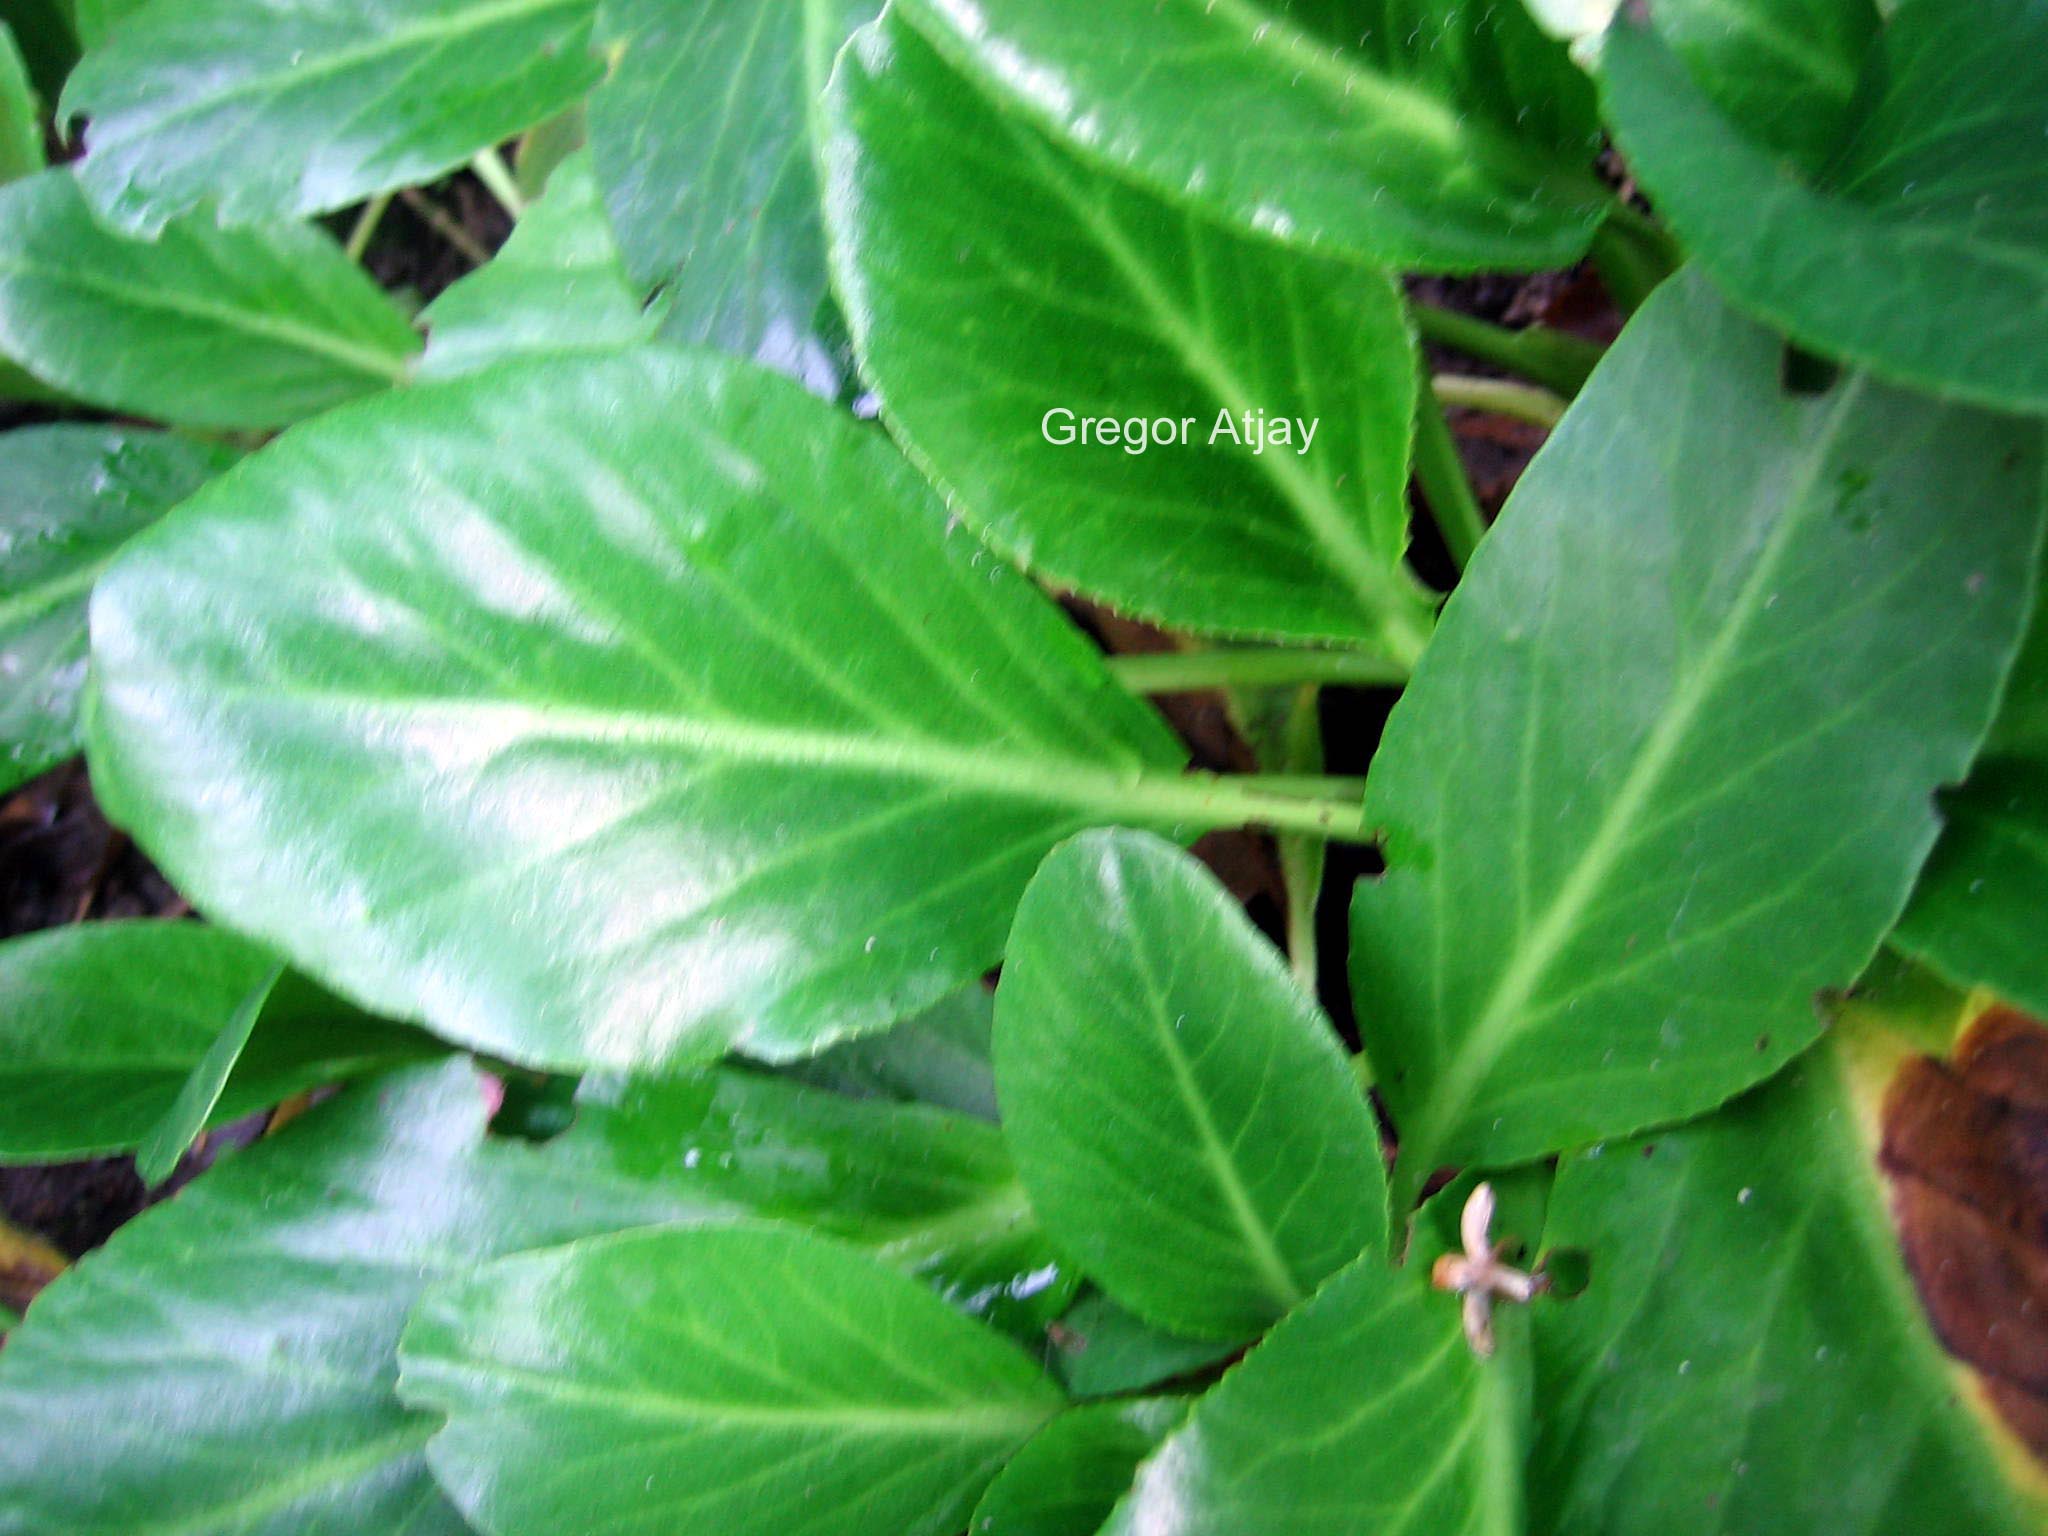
{"x": 1264, "y": 1250}
{"x": 1147, "y": 792}
{"x": 1502, "y": 1019}
{"x": 307, "y": 1478}
{"x": 962, "y": 1420}
{"x": 1373, "y": 581}
{"x": 387, "y": 367}
{"x": 37, "y": 601}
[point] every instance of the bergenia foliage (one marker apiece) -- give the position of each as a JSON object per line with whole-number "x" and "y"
{"x": 719, "y": 999}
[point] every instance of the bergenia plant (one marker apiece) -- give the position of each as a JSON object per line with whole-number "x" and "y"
{"x": 918, "y": 820}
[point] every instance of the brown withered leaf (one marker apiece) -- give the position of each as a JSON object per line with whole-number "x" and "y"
{"x": 1965, "y": 1146}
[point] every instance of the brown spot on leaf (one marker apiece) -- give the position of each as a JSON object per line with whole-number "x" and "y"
{"x": 1965, "y": 1145}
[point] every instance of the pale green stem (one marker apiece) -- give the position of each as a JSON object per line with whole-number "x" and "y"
{"x": 1301, "y": 861}
{"x": 1214, "y": 800}
{"x": 499, "y": 181}
{"x": 1504, "y": 397}
{"x": 1551, "y": 358}
{"x": 1189, "y": 671}
{"x": 366, "y": 225}
{"x": 438, "y": 220}
{"x": 1441, "y": 474}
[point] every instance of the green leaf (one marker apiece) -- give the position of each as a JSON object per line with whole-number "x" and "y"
{"x": 611, "y": 713}
{"x": 298, "y": 107}
{"x": 1419, "y": 133}
{"x": 74, "y": 495}
{"x": 21, "y": 119}
{"x": 701, "y": 142}
{"x": 95, "y": 20}
{"x": 1977, "y": 913}
{"x": 932, "y": 1193}
{"x": 1748, "y": 1354}
{"x": 991, "y": 281}
{"x": 941, "y": 1057}
{"x": 157, "y": 1158}
{"x": 1180, "y": 1110}
{"x": 555, "y": 287}
{"x": 1787, "y": 70}
{"x": 1721, "y": 633}
{"x": 792, "y": 1388}
{"x": 1364, "y": 1411}
{"x": 1100, "y": 1350}
{"x": 226, "y": 1363}
{"x": 1069, "y": 1477}
{"x": 106, "y": 1022}
{"x": 1921, "y": 251}
{"x": 205, "y": 327}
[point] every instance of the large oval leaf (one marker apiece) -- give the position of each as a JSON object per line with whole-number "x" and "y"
{"x": 203, "y": 327}
{"x": 294, "y": 107}
{"x": 1416, "y": 133}
{"x": 1748, "y": 1354}
{"x": 750, "y": 1382}
{"x": 72, "y": 496}
{"x": 1180, "y": 1109}
{"x": 106, "y": 1022}
{"x": 1919, "y": 246}
{"x": 226, "y": 1363}
{"x": 1721, "y": 633}
{"x": 992, "y": 281}
{"x": 1365, "y": 1410}
{"x": 611, "y": 712}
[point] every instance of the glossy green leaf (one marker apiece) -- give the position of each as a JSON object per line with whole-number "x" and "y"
{"x": 701, "y": 141}
{"x": 1364, "y": 1411}
{"x": 933, "y": 1193}
{"x": 1069, "y": 1477}
{"x": 749, "y": 1382}
{"x": 610, "y": 713}
{"x": 226, "y": 1363}
{"x": 992, "y": 281}
{"x": 1100, "y": 1350}
{"x": 1722, "y": 634}
{"x": 95, "y": 20}
{"x": 1921, "y": 249}
{"x": 198, "y": 1097}
{"x": 1786, "y": 70}
{"x": 1748, "y": 1354}
{"x": 21, "y": 123}
{"x": 555, "y": 287}
{"x": 1180, "y": 1110}
{"x": 2021, "y": 729}
{"x": 70, "y": 496}
{"x": 941, "y": 1057}
{"x": 297, "y": 107}
{"x": 105, "y": 1022}
{"x": 1978, "y": 913}
{"x": 1412, "y": 132}
{"x": 204, "y": 327}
